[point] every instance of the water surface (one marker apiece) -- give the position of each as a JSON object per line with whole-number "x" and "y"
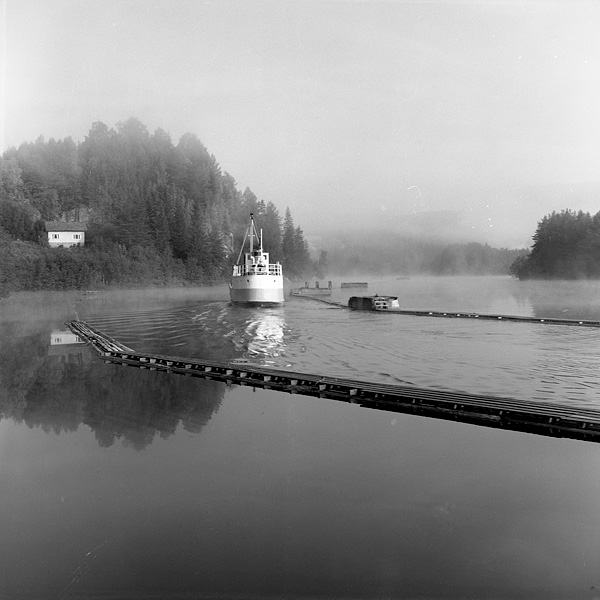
{"x": 123, "y": 483}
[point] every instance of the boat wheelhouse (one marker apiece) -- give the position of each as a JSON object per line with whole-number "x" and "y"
{"x": 255, "y": 280}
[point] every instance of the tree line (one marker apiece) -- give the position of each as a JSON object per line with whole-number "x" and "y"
{"x": 160, "y": 213}
{"x": 566, "y": 245}
{"x": 389, "y": 254}
{"x": 156, "y": 213}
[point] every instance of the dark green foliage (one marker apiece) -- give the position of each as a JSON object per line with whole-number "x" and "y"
{"x": 11, "y": 183}
{"x": 566, "y": 245}
{"x": 287, "y": 240}
{"x": 49, "y": 176}
{"x": 520, "y": 267}
{"x": 294, "y": 250}
{"x": 19, "y": 260}
{"x": 29, "y": 266}
{"x": 156, "y": 213}
{"x": 300, "y": 264}
{"x": 6, "y": 272}
{"x": 270, "y": 223}
{"x": 19, "y": 221}
{"x": 159, "y": 213}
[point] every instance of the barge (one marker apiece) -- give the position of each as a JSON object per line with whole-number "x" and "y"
{"x": 373, "y": 302}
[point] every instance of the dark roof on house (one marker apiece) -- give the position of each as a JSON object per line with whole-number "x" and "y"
{"x": 61, "y": 226}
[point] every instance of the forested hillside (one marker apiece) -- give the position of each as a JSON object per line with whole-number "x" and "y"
{"x": 566, "y": 245}
{"x": 156, "y": 213}
{"x": 388, "y": 253}
{"x": 164, "y": 214}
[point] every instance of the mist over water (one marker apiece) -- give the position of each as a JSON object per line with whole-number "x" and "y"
{"x": 542, "y": 362}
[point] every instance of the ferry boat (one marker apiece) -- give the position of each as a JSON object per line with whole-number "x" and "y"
{"x": 255, "y": 280}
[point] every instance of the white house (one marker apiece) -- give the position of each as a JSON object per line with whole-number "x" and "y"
{"x": 65, "y": 234}
{"x": 61, "y": 337}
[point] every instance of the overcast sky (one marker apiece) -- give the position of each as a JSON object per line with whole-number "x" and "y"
{"x": 357, "y": 113}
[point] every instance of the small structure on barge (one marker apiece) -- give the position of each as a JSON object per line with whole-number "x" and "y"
{"x": 312, "y": 291}
{"x": 373, "y": 302}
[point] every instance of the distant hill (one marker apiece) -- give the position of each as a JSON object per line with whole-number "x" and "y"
{"x": 503, "y": 218}
{"x": 390, "y": 252}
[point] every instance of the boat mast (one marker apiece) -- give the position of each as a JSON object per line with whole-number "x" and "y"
{"x": 254, "y": 234}
{"x": 251, "y": 232}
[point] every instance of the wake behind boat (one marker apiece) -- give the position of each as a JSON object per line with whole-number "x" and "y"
{"x": 255, "y": 280}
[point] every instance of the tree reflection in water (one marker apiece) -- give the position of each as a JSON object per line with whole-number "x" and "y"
{"x": 58, "y": 387}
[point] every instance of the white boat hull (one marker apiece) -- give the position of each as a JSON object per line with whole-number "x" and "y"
{"x": 257, "y": 289}
{"x": 255, "y": 280}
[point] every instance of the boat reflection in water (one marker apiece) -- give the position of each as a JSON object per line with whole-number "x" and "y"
{"x": 263, "y": 337}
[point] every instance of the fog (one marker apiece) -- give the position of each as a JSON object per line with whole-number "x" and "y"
{"x": 32, "y": 308}
{"x": 478, "y": 117}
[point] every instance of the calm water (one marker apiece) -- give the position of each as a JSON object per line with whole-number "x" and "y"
{"x": 121, "y": 483}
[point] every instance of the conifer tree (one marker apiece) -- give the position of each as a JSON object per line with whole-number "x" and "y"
{"x": 153, "y": 210}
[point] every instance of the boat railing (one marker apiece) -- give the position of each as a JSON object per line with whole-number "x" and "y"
{"x": 243, "y": 270}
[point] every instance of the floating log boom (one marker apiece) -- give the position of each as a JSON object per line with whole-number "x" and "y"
{"x": 506, "y": 413}
{"x": 370, "y": 303}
